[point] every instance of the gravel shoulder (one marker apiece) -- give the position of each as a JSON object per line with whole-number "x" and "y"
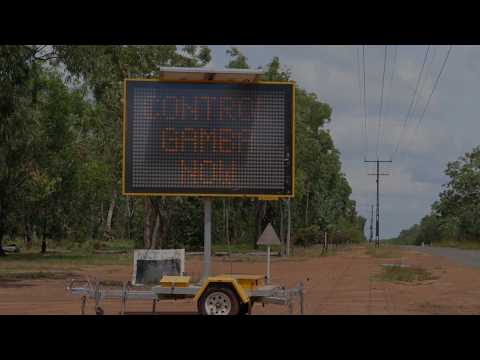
{"x": 340, "y": 284}
{"x": 459, "y": 256}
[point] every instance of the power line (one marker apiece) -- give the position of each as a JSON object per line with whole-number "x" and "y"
{"x": 381, "y": 98}
{"x": 365, "y": 100}
{"x": 411, "y": 103}
{"x": 433, "y": 89}
{"x": 421, "y": 89}
{"x": 364, "y": 123}
{"x": 430, "y": 97}
{"x": 390, "y": 87}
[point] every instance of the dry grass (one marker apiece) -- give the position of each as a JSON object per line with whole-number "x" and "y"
{"x": 383, "y": 252}
{"x": 36, "y": 275}
{"x": 404, "y": 274}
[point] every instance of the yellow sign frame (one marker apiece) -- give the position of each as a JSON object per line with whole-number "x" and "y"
{"x": 259, "y": 196}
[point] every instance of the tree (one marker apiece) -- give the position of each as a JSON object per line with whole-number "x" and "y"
{"x": 18, "y": 84}
{"x": 237, "y": 59}
{"x": 60, "y": 150}
{"x": 103, "y": 69}
{"x": 455, "y": 216}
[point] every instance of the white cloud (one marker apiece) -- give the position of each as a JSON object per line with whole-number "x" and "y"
{"x": 449, "y": 129}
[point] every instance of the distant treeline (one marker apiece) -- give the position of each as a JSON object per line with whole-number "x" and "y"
{"x": 60, "y": 156}
{"x": 455, "y": 217}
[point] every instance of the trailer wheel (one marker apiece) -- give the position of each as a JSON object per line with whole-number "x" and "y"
{"x": 219, "y": 300}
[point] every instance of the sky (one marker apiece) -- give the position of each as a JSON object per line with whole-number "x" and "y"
{"x": 449, "y": 129}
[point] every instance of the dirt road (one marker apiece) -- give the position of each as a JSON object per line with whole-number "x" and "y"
{"x": 337, "y": 284}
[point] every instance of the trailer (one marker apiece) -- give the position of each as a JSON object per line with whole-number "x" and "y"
{"x": 226, "y": 294}
{"x": 241, "y": 114}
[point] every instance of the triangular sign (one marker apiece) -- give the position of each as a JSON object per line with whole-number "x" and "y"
{"x": 269, "y": 237}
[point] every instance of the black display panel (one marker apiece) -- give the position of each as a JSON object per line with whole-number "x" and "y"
{"x": 208, "y": 138}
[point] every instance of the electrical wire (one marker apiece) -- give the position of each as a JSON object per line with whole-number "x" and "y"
{"x": 359, "y": 78}
{"x": 428, "y": 71}
{"x": 432, "y": 92}
{"x": 411, "y": 104}
{"x": 381, "y": 98}
{"x": 390, "y": 87}
{"x": 365, "y": 100}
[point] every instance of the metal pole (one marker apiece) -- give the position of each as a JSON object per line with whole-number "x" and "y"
{"x": 378, "y": 174}
{"x": 268, "y": 265}
{"x": 289, "y": 220}
{"x": 207, "y": 237}
{"x": 301, "y": 298}
{"x": 282, "y": 235}
{"x": 377, "y": 225}
{"x": 371, "y": 227}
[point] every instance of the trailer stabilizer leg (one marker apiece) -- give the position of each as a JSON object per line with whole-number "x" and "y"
{"x": 84, "y": 301}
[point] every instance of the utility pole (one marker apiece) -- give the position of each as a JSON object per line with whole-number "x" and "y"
{"x": 371, "y": 227}
{"x": 377, "y": 217}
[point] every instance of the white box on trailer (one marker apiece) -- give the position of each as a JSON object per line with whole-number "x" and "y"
{"x": 150, "y": 265}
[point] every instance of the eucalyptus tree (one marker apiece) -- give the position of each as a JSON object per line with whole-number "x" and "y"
{"x": 103, "y": 69}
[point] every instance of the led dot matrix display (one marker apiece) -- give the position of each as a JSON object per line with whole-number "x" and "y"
{"x": 208, "y": 138}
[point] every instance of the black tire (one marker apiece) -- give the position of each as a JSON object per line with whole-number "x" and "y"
{"x": 243, "y": 309}
{"x": 226, "y": 290}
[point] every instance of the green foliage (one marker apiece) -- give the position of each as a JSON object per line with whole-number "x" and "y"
{"x": 383, "y": 252}
{"x": 238, "y": 60}
{"x": 309, "y": 235}
{"x": 60, "y": 157}
{"x": 455, "y": 217}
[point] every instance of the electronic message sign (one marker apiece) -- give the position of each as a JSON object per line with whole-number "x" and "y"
{"x": 208, "y": 138}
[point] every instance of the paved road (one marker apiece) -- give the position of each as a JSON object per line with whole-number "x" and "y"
{"x": 460, "y": 256}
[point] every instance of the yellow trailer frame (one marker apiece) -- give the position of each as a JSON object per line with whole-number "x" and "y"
{"x": 246, "y": 289}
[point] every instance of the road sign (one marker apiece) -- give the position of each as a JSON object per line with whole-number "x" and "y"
{"x": 269, "y": 237}
{"x": 208, "y": 138}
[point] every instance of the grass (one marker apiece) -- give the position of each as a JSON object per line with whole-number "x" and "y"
{"x": 313, "y": 251}
{"x": 386, "y": 252}
{"x": 466, "y": 245}
{"x": 436, "y": 309}
{"x": 37, "y": 275}
{"x": 71, "y": 257}
{"x": 55, "y": 265}
{"x": 404, "y": 274}
{"x": 242, "y": 248}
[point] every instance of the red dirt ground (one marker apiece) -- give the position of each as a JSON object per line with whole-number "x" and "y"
{"x": 337, "y": 284}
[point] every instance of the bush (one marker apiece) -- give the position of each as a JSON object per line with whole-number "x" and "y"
{"x": 308, "y": 235}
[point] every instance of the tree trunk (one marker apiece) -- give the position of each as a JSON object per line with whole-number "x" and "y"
{"x": 28, "y": 233}
{"x": 227, "y": 223}
{"x": 44, "y": 238}
{"x": 108, "y": 225}
{"x": 164, "y": 224}
{"x": 306, "y": 209}
{"x": 156, "y": 232}
{"x": 260, "y": 214}
{"x": 2, "y": 228}
{"x": 2, "y": 253}
{"x": 130, "y": 212}
{"x": 147, "y": 224}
